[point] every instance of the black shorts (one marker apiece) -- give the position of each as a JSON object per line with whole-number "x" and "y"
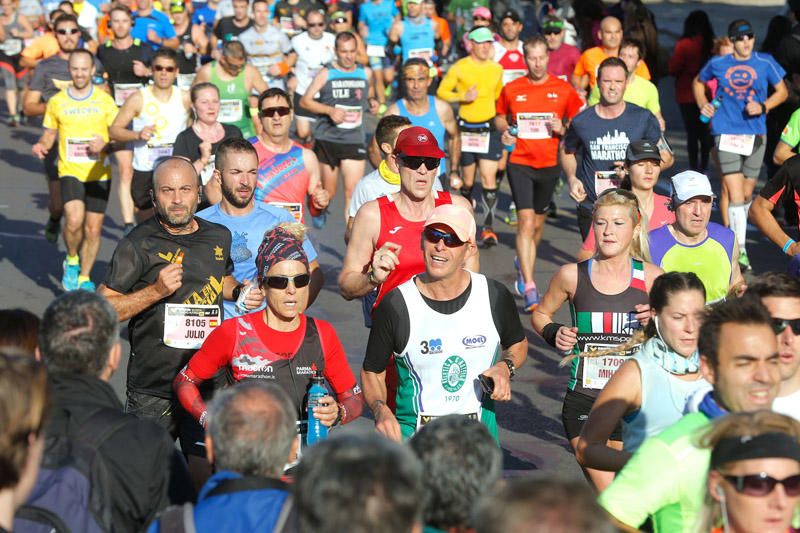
{"x": 170, "y": 415}
{"x": 300, "y": 111}
{"x": 140, "y": 189}
{"x": 94, "y": 194}
{"x": 532, "y": 188}
{"x": 51, "y": 163}
{"x": 495, "y": 151}
{"x": 332, "y": 154}
{"x": 575, "y": 412}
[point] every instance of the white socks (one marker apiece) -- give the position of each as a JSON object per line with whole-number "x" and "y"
{"x": 737, "y": 221}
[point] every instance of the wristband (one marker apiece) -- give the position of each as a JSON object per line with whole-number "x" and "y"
{"x": 763, "y": 108}
{"x": 550, "y": 331}
{"x": 338, "y": 415}
{"x": 787, "y": 245}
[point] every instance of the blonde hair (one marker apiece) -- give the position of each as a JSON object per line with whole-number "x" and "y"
{"x": 640, "y": 245}
{"x": 740, "y": 425}
{"x": 295, "y": 229}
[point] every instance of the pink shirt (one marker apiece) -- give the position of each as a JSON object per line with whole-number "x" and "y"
{"x": 660, "y": 217}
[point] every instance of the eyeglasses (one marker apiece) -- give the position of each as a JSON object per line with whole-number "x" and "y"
{"x": 268, "y": 112}
{"x": 65, "y": 31}
{"x": 162, "y": 68}
{"x": 749, "y": 36}
{"x": 762, "y": 484}
{"x": 281, "y": 282}
{"x": 316, "y": 25}
{"x": 780, "y": 324}
{"x": 433, "y": 236}
{"x": 411, "y": 161}
{"x": 232, "y": 66}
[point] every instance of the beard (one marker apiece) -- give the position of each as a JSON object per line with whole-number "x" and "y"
{"x": 236, "y": 201}
{"x": 176, "y": 221}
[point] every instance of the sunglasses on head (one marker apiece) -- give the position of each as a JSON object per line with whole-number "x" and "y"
{"x": 162, "y": 68}
{"x": 413, "y": 161}
{"x": 67, "y": 31}
{"x": 762, "y": 484}
{"x": 622, "y": 192}
{"x": 780, "y": 324}
{"x": 749, "y": 36}
{"x": 281, "y": 282}
{"x": 269, "y": 112}
{"x": 433, "y": 236}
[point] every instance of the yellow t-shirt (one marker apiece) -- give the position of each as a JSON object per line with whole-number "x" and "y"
{"x": 639, "y": 91}
{"x": 591, "y": 59}
{"x": 487, "y": 77}
{"x": 77, "y": 122}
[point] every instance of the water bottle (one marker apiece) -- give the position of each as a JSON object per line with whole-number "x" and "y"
{"x": 512, "y": 130}
{"x": 716, "y": 102}
{"x": 316, "y": 430}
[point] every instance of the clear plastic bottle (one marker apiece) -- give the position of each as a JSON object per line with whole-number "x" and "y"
{"x": 317, "y": 431}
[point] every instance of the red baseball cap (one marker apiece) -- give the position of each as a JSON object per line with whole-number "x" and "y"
{"x": 417, "y": 141}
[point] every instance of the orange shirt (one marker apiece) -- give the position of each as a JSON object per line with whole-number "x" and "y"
{"x": 530, "y": 107}
{"x": 444, "y": 29}
{"x": 41, "y": 47}
{"x": 592, "y": 58}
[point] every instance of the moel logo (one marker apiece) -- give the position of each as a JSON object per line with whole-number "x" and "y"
{"x": 476, "y": 341}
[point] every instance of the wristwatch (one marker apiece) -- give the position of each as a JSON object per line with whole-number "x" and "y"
{"x": 511, "y": 368}
{"x": 237, "y": 290}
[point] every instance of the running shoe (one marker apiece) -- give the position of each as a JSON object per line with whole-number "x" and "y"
{"x": 319, "y": 221}
{"x": 52, "y": 229}
{"x": 511, "y": 219}
{"x": 87, "y": 285}
{"x": 488, "y": 237}
{"x": 744, "y": 261}
{"x": 70, "y": 279}
{"x": 531, "y": 299}
{"x": 13, "y": 121}
{"x": 519, "y": 285}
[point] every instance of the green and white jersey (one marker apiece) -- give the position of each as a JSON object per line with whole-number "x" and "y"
{"x": 439, "y": 366}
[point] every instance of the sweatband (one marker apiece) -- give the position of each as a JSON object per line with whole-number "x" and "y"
{"x": 550, "y": 331}
{"x": 768, "y": 445}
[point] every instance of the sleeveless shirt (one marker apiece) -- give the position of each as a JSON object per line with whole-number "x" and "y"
{"x": 168, "y": 118}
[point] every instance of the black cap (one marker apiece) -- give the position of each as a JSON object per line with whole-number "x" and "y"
{"x": 642, "y": 150}
{"x": 738, "y": 28}
{"x": 510, "y": 14}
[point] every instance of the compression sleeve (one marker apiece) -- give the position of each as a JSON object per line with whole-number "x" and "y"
{"x": 187, "y": 391}
{"x": 215, "y": 353}
{"x": 505, "y": 315}
{"x": 389, "y": 333}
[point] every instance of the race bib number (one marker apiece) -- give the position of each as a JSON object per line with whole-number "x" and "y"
{"x": 534, "y": 125}
{"x": 352, "y": 117}
{"x": 475, "y": 142}
{"x": 604, "y": 180}
{"x": 295, "y": 209}
{"x": 187, "y": 326}
{"x": 512, "y": 74}
{"x": 158, "y": 151}
{"x": 78, "y": 150}
{"x": 376, "y": 50}
{"x": 185, "y": 81}
{"x": 230, "y": 111}
{"x": 11, "y": 47}
{"x": 598, "y": 370}
{"x": 737, "y": 144}
{"x": 123, "y": 91}
{"x": 425, "y": 419}
{"x": 208, "y": 170}
{"x": 424, "y": 53}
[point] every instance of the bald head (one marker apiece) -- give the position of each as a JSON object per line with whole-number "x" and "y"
{"x": 610, "y": 34}
{"x": 176, "y": 191}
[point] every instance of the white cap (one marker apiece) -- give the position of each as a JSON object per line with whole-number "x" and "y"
{"x": 688, "y": 184}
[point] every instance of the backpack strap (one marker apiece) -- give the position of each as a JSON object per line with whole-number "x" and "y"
{"x": 288, "y": 520}
{"x": 98, "y": 427}
{"x": 239, "y": 484}
{"x": 40, "y": 515}
{"x": 177, "y": 519}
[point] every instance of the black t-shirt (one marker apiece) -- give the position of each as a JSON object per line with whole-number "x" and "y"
{"x": 226, "y": 29}
{"x": 391, "y": 323}
{"x": 788, "y": 52}
{"x": 118, "y": 63}
{"x": 285, "y": 9}
{"x": 186, "y": 65}
{"x": 187, "y": 143}
{"x": 785, "y": 182}
{"x": 138, "y": 259}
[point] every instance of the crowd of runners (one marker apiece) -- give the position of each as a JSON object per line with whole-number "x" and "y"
{"x": 227, "y": 126}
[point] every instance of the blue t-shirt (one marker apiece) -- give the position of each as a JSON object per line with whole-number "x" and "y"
{"x": 739, "y": 82}
{"x": 601, "y": 142}
{"x": 205, "y": 16}
{"x": 157, "y": 21}
{"x": 247, "y": 232}
{"x": 378, "y": 18}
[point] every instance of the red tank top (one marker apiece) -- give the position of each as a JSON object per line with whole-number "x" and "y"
{"x": 396, "y": 229}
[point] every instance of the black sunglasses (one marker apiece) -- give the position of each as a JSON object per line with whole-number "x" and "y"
{"x": 316, "y": 25}
{"x": 65, "y": 31}
{"x": 281, "y": 282}
{"x": 780, "y": 324}
{"x": 433, "y": 236}
{"x": 551, "y": 32}
{"x": 268, "y": 112}
{"x": 762, "y": 484}
{"x": 159, "y": 68}
{"x": 413, "y": 161}
{"x": 741, "y": 37}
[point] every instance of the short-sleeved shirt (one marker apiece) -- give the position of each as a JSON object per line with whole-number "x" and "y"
{"x": 785, "y": 181}
{"x": 525, "y": 102}
{"x": 247, "y": 232}
{"x": 639, "y": 91}
{"x": 739, "y": 82}
{"x": 265, "y": 49}
{"x": 486, "y": 76}
{"x": 205, "y": 16}
{"x": 562, "y": 61}
{"x": 378, "y": 17}
{"x": 136, "y": 262}
{"x": 77, "y": 122}
{"x": 157, "y": 21}
{"x": 226, "y": 30}
{"x": 601, "y": 142}
{"x": 791, "y": 132}
{"x": 590, "y": 60}
{"x": 665, "y": 479}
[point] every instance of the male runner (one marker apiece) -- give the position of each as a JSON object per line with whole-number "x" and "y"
{"x": 267, "y": 47}
{"x": 229, "y": 28}
{"x": 416, "y": 34}
{"x": 236, "y": 171}
{"x": 127, "y": 64}
{"x": 159, "y": 112}
{"x": 80, "y": 115}
{"x": 236, "y": 81}
{"x": 786, "y": 181}
{"x": 461, "y": 349}
{"x": 563, "y": 56}
{"x": 475, "y": 83}
{"x": 153, "y": 26}
{"x": 508, "y": 51}
{"x": 375, "y": 19}
{"x": 538, "y": 105}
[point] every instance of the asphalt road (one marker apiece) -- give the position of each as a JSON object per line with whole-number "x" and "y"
{"x": 530, "y": 428}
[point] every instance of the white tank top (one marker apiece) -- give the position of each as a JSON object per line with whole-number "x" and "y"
{"x": 444, "y": 356}
{"x": 169, "y": 120}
